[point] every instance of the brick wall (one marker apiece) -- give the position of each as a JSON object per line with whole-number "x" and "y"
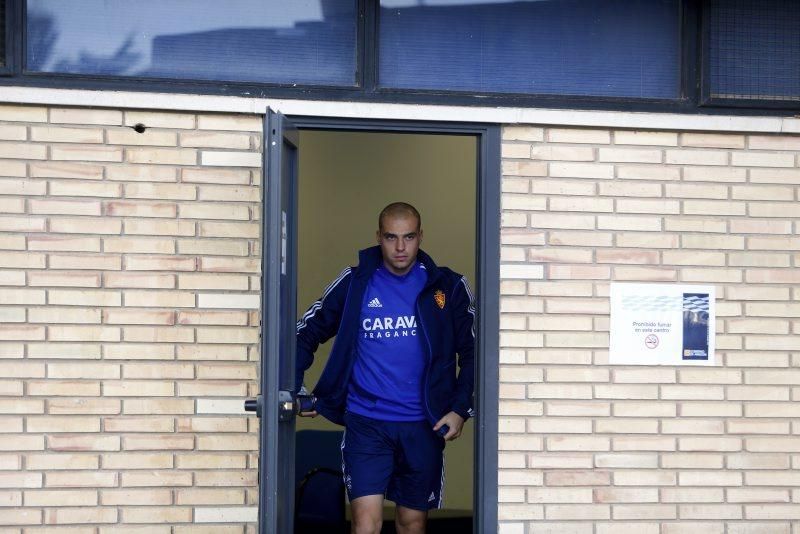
{"x": 589, "y": 448}
{"x": 128, "y": 320}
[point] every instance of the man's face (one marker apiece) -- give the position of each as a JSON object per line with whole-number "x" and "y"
{"x": 399, "y": 239}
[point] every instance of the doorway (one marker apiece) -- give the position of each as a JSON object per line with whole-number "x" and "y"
{"x": 345, "y": 179}
{"x": 473, "y": 151}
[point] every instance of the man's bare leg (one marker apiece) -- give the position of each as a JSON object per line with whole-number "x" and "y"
{"x": 410, "y": 521}
{"x": 367, "y": 514}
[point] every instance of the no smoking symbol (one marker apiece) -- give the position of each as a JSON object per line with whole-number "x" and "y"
{"x": 651, "y": 341}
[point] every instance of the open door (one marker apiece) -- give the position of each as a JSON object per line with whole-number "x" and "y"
{"x": 275, "y": 405}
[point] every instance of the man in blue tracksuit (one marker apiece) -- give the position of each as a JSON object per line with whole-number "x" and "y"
{"x": 399, "y": 321}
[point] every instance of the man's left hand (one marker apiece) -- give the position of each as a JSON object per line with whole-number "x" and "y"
{"x": 454, "y": 421}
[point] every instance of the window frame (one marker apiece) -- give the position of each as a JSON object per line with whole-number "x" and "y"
{"x": 693, "y": 99}
{"x": 7, "y": 67}
{"x": 706, "y": 98}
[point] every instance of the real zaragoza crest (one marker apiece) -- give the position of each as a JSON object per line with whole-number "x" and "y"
{"x": 438, "y": 296}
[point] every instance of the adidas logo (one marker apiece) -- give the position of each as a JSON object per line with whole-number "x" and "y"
{"x": 375, "y": 303}
{"x": 432, "y": 497}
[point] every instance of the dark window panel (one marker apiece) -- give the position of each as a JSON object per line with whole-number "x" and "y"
{"x": 263, "y": 41}
{"x": 2, "y": 33}
{"x": 754, "y": 49}
{"x": 613, "y": 48}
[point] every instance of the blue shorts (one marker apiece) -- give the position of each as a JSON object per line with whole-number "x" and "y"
{"x": 403, "y": 461}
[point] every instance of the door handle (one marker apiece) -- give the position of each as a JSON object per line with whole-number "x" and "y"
{"x": 254, "y": 405}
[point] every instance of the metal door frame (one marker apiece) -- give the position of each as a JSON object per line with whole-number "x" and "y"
{"x": 488, "y": 288}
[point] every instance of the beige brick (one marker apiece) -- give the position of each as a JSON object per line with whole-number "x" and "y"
{"x": 697, "y": 157}
{"x": 212, "y": 352}
{"x": 22, "y": 224}
{"x": 146, "y": 227}
{"x": 242, "y": 442}
{"x": 151, "y": 137}
{"x": 644, "y": 478}
{"x": 84, "y": 297}
{"x": 138, "y": 245}
{"x": 771, "y": 410}
{"x": 577, "y": 478}
{"x": 55, "y": 134}
{"x": 215, "y": 140}
{"x": 152, "y": 514}
{"x": 710, "y": 140}
{"x": 246, "y": 123}
{"x": 211, "y": 388}
{"x": 774, "y": 176}
{"x": 210, "y": 461}
{"x": 158, "y": 334}
{"x": 209, "y": 496}
{"x": 139, "y": 280}
{"x": 215, "y": 247}
{"x": 581, "y": 170}
{"x": 562, "y": 153}
{"x": 138, "y": 460}
{"x": 139, "y": 351}
{"x": 158, "y": 406}
{"x": 524, "y": 168}
{"x": 84, "y": 351}
{"x": 212, "y": 424}
{"x": 160, "y": 263}
{"x": 84, "y": 153}
{"x": 57, "y": 169}
{"x": 84, "y": 370}
{"x": 709, "y": 444}
{"x": 230, "y": 265}
{"x": 63, "y": 315}
{"x": 515, "y": 150}
{"x": 232, "y": 159}
{"x": 161, "y": 370}
{"x": 773, "y": 243}
{"x": 199, "y": 210}
{"x": 630, "y": 189}
{"x": 574, "y": 135}
{"x": 22, "y": 113}
{"x": 633, "y": 137}
{"x": 140, "y": 424}
{"x": 693, "y": 461}
{"x": 771, "y": 209}
{"x": 83, "y": 406}
{"x": 130, "y": 388}
{"x": 75, "y": 443}
{"x": 157, "y": 443}
{"x": 142, "y": 173}
{"x": 61, "y": 498}
{"x": 13, "y": 132}
{"x": 523, "y": 133}
{"x": 642, "y": 205}
{"x": 216, "y": 176}
{"x": 12, "y": 242}
{"x": 20, "y": 516}
{"x": 630, "y": 155}
{"x": 75, "y": 424}
{"x": 161, "y": 191}
{"x": 22, "y": 151}
{"x": 85, "y": 226}
{"x": 130, "y": 497}
{"x": 212, "y": 318}
{"x": 229, "y": 229}
{"x": 160, "y": 119}
{"x": 12, "y": 315}
{"x": 63, "y": 279}
{"x": 161, "y": 156}
{"x": 141, "y": 209}
{"x": 762, "y": 159}
{"x": 649, "y": 172}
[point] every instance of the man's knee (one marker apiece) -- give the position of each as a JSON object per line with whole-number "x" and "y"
{"x": 410, "y": 521}
{"x": 367, "y": 514}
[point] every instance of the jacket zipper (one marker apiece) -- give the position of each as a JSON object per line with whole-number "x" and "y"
{"x": 430, "y": 363}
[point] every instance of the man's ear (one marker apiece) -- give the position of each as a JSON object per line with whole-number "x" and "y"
{"x": 378, "y": 235}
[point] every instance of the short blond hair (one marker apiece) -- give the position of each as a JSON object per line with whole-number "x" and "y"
{"x": 399, "y": 209}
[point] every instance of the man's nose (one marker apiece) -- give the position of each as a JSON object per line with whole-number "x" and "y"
{"x": 401, "y": 244}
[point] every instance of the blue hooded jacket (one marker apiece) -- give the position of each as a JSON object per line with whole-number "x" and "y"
{"x": 445, "y": 312}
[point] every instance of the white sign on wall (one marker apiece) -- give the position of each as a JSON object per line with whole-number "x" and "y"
{"x": 662, "y": 324}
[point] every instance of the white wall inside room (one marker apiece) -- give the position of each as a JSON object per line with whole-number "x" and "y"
{"x": 346, "y": 178}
